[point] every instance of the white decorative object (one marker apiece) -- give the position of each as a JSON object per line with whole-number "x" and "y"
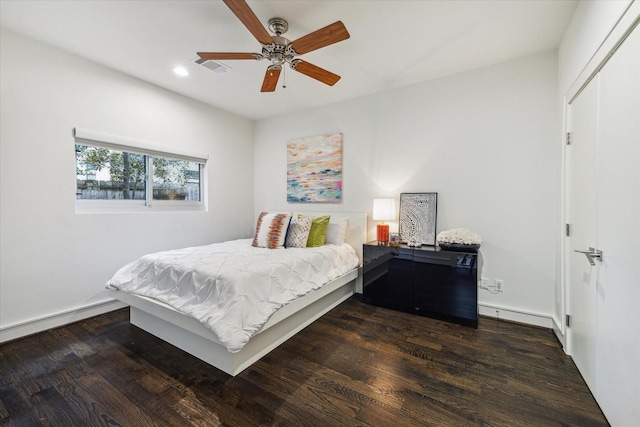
{"x": 461, "y": 236}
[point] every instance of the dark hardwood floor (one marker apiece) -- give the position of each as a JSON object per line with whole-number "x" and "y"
{"x": 358, "y": 365}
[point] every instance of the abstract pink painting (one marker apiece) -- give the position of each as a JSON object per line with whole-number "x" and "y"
{"x": 314, "y": 169}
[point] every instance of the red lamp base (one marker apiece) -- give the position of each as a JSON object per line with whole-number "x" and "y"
{"x": 383, "y": 234}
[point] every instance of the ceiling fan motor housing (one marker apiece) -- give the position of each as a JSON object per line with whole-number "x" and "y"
{"x": 279, "y": 51}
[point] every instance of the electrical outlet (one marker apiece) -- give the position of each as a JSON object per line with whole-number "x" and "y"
{"x": 484, "y": 282}
{"x": 499, "y": 285}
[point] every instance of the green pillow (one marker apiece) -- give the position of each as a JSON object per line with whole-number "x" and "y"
{"x": 318, "y": 230}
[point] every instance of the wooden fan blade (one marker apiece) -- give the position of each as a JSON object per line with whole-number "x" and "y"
{"x": 228, "y": 55}
{"x": 326, "y": 36}
{"x": 244, "y": 13}
{"x": 271, "y": 78}
{"x": 315, "y": 72}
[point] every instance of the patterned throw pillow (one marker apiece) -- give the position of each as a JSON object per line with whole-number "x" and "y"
{"x": 271, "y": 230}
{"x": 298, "y": 232}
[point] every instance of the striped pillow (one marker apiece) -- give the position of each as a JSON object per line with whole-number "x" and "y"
{"x": 271, "y": 230}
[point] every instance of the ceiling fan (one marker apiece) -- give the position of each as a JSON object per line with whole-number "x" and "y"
{"x": 280, "y": 50}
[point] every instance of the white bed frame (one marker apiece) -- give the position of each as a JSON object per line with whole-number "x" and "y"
{"x": 196, "y": 339}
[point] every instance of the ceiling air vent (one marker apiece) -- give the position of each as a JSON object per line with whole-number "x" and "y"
{"x": 216, "y": 67}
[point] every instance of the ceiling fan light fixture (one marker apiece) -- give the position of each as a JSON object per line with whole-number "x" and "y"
{"x": 277, "y": 59}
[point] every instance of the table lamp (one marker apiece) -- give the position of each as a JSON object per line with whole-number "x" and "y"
{"x": 384, "y": 210}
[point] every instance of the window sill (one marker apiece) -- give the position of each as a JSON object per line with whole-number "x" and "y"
{"x": 135, "y": 206}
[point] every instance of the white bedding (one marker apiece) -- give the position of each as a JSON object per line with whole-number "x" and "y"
{"x": 232, "y": 287}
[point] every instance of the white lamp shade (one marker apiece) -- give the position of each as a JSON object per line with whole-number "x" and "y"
{"x": 384, "y": 209}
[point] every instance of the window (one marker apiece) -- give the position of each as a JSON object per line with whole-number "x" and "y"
{"x": 175, "y": 179}
{"x": 134, "y": 175}
{"x": 104, "y": 174}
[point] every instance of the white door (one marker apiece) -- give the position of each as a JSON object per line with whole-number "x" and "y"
{"x": 581, "y": 213}
{"x": 618, "y": 236}
{"x": 603, "y": 208}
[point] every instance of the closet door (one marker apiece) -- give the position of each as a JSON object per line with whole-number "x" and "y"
{"x": 603, "y": 207}
{"x": 618, "y": 235}
{"x": 581, "y": 209}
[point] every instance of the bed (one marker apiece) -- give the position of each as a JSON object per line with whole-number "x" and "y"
{"x": 198, "y": 339}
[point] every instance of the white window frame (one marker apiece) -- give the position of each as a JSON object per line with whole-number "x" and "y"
{"x": 130, "y": 145}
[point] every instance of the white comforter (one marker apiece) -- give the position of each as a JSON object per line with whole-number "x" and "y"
{"x": 232, "y": 287}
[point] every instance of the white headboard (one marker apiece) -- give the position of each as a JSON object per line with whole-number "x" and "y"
{"x": 357, "y": 232}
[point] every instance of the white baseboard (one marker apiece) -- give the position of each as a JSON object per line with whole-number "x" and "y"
{"x": 50, "y": 321}
{"x": 516, "y": 315}
{"x": 55, "y": 320}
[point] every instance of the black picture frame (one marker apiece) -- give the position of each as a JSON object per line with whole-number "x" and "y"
{"x": 418, "y": 217}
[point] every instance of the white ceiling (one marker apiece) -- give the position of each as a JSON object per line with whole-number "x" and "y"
{"x": 393, "y": 43}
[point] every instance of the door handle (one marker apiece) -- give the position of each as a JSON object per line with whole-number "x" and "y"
{"x": 591, "y": 254}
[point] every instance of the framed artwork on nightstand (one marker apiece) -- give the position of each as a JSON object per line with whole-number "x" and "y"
{"x": 418, "y": 212}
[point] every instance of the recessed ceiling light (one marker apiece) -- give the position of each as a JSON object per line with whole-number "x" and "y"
{"x": 181, "y": 71}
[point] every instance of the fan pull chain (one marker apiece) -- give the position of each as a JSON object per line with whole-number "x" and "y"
{"x": 284, "y": 77}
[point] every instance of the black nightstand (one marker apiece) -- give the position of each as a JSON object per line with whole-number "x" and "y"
{"x": 427, "y": 281}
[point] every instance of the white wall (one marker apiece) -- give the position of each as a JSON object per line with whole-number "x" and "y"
{"x": 54, "y": 262}
{"x": 591, "y": 23}
{"x": 485, "y": 140}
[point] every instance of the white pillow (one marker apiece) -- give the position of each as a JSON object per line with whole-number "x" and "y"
{"x": 337, "y": 232}
{"x": 271, "y": 230}
{"x": 298, "y": 232}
